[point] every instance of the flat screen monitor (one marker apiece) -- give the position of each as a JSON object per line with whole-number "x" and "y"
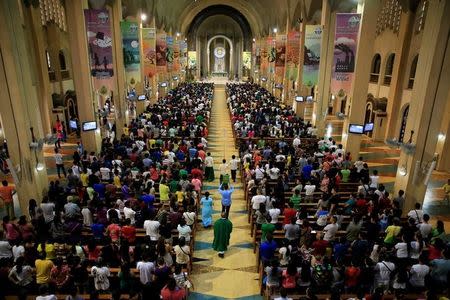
{"x": 142, "y": 97}
{"x": 73, "y": 124}
{"x": 90, "y": 125}
{"x": 163, "y": 84}
{"x": 299, "y": 99}
{"x": 309, "y": 99}
{"x": 368, "y": 127}
{"x": 356, "y": 128}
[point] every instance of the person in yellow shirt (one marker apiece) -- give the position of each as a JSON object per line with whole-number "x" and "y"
{"x": 180, "y": 195}
{"x": 392, "y": 232}
{"x": 164, "y": 191}
{"x": 43, "y": 269}
{"x": 48, "y": 249}
{"x": 125, "y": 129}
{"x": 84, "y": 178}
{"x": 116, "y": 179}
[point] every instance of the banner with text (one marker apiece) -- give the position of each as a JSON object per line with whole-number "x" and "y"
{"x": 161, "y": 52}
{"x": 99, "y": 40}
{"x": 292, "y": 54}
{"x": 131, "y": 53}
{"x": 311, "y": 55}
{"x": 149, "y": 51}
{"x": 345, "y": 46}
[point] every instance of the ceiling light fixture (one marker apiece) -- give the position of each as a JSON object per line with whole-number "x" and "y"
{"x": 143, "y": 17}
{"x": 275, "y": 30}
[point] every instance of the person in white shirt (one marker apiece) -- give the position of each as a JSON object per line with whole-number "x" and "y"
{"x": 189, "y": 217}
{"x": 223, "y": 169}
{"x": 106, "y": 173}
{"x": 383, "y": 272}
{"x": 374, "y": 180}
{"x": 416, "y": 214}
{"x": 87, "y": 216}
{"x": 401, "y": 249}
{"x": 296, "y": 142}
{"x": 309, "y": 191}
{"x": 59, "y": 163}
{"x": 274, "y": 214}
{"x": 152, "y": 229}
{"x": 100, "y": 272}
{"x": 258, "y": 199}
{"x": 424, "y": 227}
{"x": 331, "y": 230}
{"x": 274, "y": 173}
{"x": 146, "y": 269}
{"x": 234, "y": 163}
{"x": 184, "y": 230}
{"x": 359, "y": 164}
{"x": 418, "y": 273}
{"x": 259, "y": 173}
{"x": 129, "y": 213}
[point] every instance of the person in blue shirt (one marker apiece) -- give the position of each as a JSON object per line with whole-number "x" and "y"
{"x": 306, "y": 171}
{"x": 100, "y": 189}
{"x": 192, "y": 152}
{"x": 267, "y": 249}
{"x": 97, "y": 231}
{"x": 226, "y": 192}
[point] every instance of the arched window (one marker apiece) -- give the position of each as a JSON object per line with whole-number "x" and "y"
{"x": 375, "y": 70}
{"x": 389, "y": 69}
{"x": 412, "y": 72}
{"x": 62, "y": 60}
{"x": 403, "y": 124}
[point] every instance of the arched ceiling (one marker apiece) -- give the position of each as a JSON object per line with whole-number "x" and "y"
{"x": 219, "y": 25}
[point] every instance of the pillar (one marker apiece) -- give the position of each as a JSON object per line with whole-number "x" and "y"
{"x": 357, "y": 97}
{"x": 428, "y": 101}
{"x": 328, "y": 22}
{"x": 119, "y": 67}
{"x": 443, "y": 143}
{"x": 81, "y": 72}
{"x": 19, "y": 102}
{"x": 300, "y": 106}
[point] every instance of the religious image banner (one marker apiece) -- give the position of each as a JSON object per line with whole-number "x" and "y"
{"x": 131, "y": 53}
{"x": 183, "y": 54}
{"x": 149, "y": 51}
{"x": 176, "y": 56}
{"x": 271, "y": 53}
{"x": 247, "y": 59}
{"x": 98, "y": 27}
{"x": 345, "y": 46}
{"x": 292, "y": 54}
{"x": 311, "y": 61}
{"x": 161, "y": 50}
{"x": 264, "y": 56}
{"x": 169, "y": 53}
{"x": 258, "y": 55}
{"x": 192, "y": 59}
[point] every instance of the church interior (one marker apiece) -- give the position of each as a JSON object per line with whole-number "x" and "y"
{"x": 235, "y": 149}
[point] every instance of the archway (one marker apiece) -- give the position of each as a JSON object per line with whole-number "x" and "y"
{"x": 217, "y": 57}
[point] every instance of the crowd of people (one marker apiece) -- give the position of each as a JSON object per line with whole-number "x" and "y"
{"x": 364, "y": 242}
{"x": 122, "y": 220}
{"x": 257, "y": 113}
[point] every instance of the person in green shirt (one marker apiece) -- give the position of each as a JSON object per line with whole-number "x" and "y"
{"x": 345, "y": 174}
{"x": 173, "y": 185}
{"x": 183, "y": 173}
{"x": 261, "y": 144}
{"x": 296, "y": 199}
{"x": 265, "y": 229}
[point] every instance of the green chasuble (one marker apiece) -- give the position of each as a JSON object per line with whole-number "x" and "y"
{"x": 222, "y": 231}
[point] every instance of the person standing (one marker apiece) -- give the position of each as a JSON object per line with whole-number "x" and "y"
{"x": 209, "y": 167}
{"x": 234, "y": 162}
{"x": 6, "y": 194}
{"x": 222, "y": 231}
{"x": 207, "y": 204}
{"x": 226, "y": 192}
{"x": 223, "y": 170}
{"x": 59, "y": 163}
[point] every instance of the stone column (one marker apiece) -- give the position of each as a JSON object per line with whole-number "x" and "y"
{"x": 357, "y": 97}
{"x": 19, "y": 102}
{"x": 328, "y": 21}
{"x": 443, "y": 143}
{"x": 119, "y": 67}
{"x": 81, "y": 72}
{"x": 428, "y": 101}
{"x": 300, "y": 106}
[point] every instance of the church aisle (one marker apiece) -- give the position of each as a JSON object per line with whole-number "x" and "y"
{"x": 235, "y": 276}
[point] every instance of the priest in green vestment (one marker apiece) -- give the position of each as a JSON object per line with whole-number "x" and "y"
{"x": 222, "y": 232}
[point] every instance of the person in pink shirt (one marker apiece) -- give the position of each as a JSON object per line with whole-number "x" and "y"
{"x": 114, "y": 230}
{"x": 197, "y": 183}
{"x": 11, "y": 230}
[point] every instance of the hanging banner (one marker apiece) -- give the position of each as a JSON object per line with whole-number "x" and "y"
{"x": 313, "y": 38}
{"x": 131, "y": 55}
{"x": 183, "y": 55}
{"x": 149, "y": 51}
{"x": 176, "y": 56}
{"x": 99, "y": 40}
{"x": 169, "y": 53}
{"x": 264, "y": 56}
{"x": 161, "y": 50}
{"x": 192, "y": 59}
{"x": 258, "y": 55}
{"x": 247, "y": 60}
{"x": 280, "y": 55}
{"x": 292, "y": 54}
{"x": 345, "y": 45}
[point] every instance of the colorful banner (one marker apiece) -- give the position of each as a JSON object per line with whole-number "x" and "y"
{"x": 264, "y": 56}
{"x": 149, "y": 51}
{"x": 131, "y": 53}
{"x": 161, "y": 50}
{"x": 169, "y": 53}
{"x": 192, "y": 59}
{"x": 247, "y": 60}
{"x": 280, "y": 55}
{"x": 271, "y": 53}
{"x": 176, "y": 56}
{"x": 292, "y": 54}
{"x": 313, "y": 38}
{"x": 345, "y": 45}
{"x": 257, "y": 55}
{"x": 99, "y": 39}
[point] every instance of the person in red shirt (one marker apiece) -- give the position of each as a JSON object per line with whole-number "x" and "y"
{"x": 113, "y": 230}
{"x": 320, "y": 245}
{"x": 6, "y": 194}
{"x": 172, "y": 292}
{"x": 352, "y": 273}
{"x": 288, "y": 213}
{"x": 129, "y": 232}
